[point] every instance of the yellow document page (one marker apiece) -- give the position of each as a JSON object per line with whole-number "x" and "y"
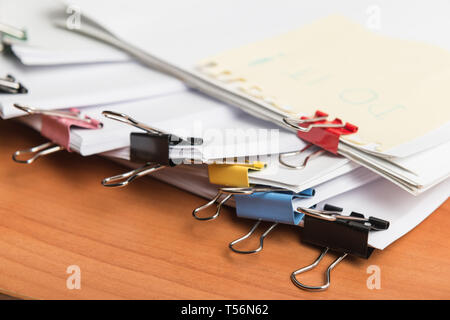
{"x": 393, "y": 90}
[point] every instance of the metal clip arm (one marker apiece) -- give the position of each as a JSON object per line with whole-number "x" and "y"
{"x": 14, "y": 32}
{"x": 39, "y": 151}
{"x": 121, "y": 117}
{"x": 210, "y": 203}
{"x": 229, "y": 192}
{"x": 261, "y": 239}
{"x": 373, "y": 222}
{"x": 295, "y": 123}
{"x": 174, "y": 140}
{"x": 74, "y": 114}
{"x": 312, "y": 266}
{"x": 10, "y": 85}
{"x": 124, "y": 179}
{"x": 282, "y": 157}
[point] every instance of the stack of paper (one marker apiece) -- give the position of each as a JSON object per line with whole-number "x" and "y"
{"x": 291, "y": 75}
{"x": 238, "y": 101}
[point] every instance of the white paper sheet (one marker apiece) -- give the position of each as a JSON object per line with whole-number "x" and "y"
{"x": 227, "y": 131}
{"x": 82, "y": 85}
{"x": 48, "y": 45}
{"x": 320, "y": 169}
{"x": 294, "y": 180}
{"x": 184, "y": 32}
{"x": 220, "y": 26}
{"x": 418, "y": 172}
{"x": 36, "y": 56}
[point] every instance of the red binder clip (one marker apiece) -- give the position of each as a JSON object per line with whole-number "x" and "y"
{"x": 321, "y": 132}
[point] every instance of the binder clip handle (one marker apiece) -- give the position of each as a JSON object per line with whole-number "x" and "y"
{"x": 36, "y": 152}
{"x": 261, "y": 239}
{"x": 73, "y": 114}
{"x": 124, "y": 179}
{"x": 374, "y": 222}
{"x": 312, "y": 266}
{"x": 19, "y": 34}
{"x": 314, "y": 122}
{"x": 10, "y": 85}
{"x": 209, "y": 204}
{"x": 282, "y": 157}
{"x": 332, "y": 213}
{"x": 124, "y": 118}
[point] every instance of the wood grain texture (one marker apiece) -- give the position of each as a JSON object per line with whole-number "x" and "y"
{"x": 141, "y": 241}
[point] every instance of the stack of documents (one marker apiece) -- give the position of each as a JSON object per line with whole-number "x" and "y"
{"x": 312, "y": 120}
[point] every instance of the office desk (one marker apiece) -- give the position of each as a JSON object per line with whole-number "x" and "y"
{"x": 142, "y": 241}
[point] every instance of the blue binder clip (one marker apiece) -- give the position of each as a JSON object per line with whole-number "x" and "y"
{"x": 275, "y": 207}
{"x": 229, "y": 192}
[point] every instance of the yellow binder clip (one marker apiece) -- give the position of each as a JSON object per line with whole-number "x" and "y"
{"x": 230, "y": 175}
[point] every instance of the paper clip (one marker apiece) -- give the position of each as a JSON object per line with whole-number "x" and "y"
{"x": 228, "y": 192}
{"x": 321, "y": 132}
{"x": 151, "y": 148}
{"x": 282, "y": 157}
{"x": 331, "y": 230}
{"x": 268, "y": 206}
{"x": 56, "y": 127}
{"x": 10, "y": 85}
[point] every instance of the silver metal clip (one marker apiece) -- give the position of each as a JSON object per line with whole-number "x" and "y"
{"x": 55, "y": 113}
{"x": 124, "y": 179}
{"x": 282, "y": 157}
{"x": 210, "y": 203}
{"x": 121, "y": 117}
{"x": 329, "y": 215}
{"x": 252, "y": 230}
{"x": 11, "y": 31}
{"x": 229, "y": 192}
{"x": 295, "y": 123}
{"x": 10, "y": 85}
{"x": 312, "y": 266}
{"x": 39, "y": 151}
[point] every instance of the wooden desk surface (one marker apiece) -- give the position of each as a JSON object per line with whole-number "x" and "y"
{"x": 142, "y": 242}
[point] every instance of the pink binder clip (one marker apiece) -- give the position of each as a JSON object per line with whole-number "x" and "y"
{"x": 56, "y": 127}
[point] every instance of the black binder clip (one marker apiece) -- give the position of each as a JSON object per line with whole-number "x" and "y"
{"x": 330, "y": 230}
{"x": 151, "y": 147}
{"x": 10, "y": 85}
